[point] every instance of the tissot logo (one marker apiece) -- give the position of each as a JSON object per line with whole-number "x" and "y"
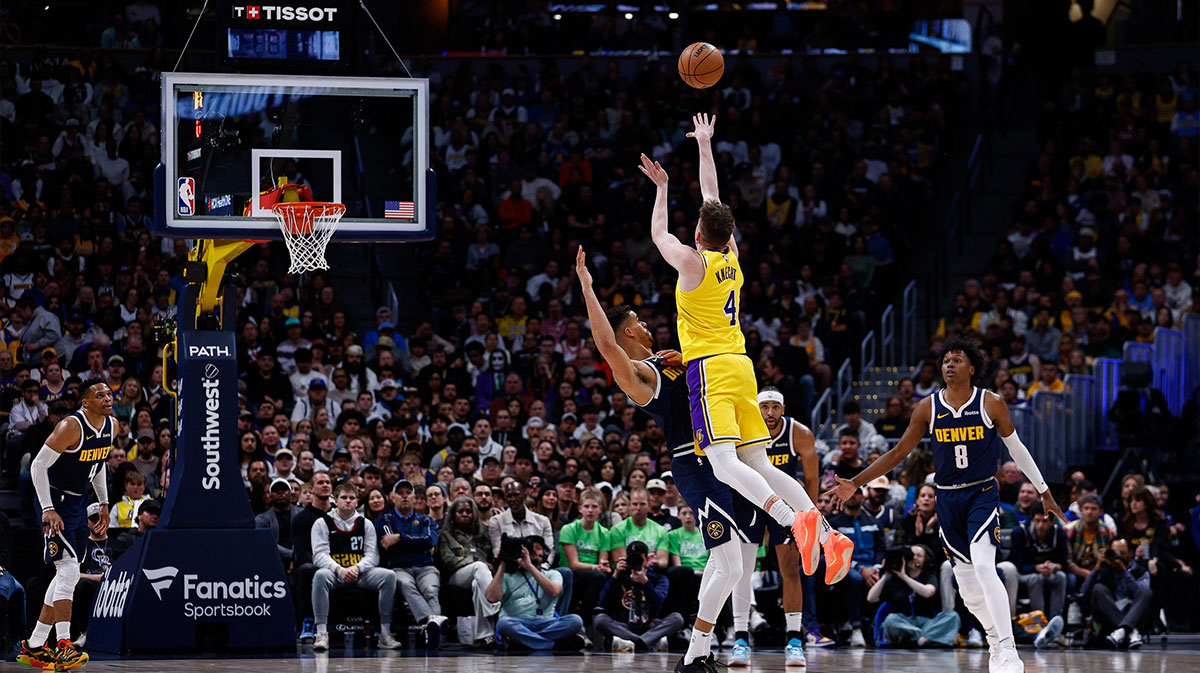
{"x": 275, "y": 13}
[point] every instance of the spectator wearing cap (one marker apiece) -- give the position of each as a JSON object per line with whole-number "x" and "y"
{"x": 146, "y": 459}
{"x": 42, "y": 328}
{"x": 266, "y": 384}
{"x": 285, "y": 462}
{"x": 147, "y": 518}
{"x": 342, "y": 463}
{"x": 877, "y": 503}
{"x": 315, "y": 399}
{"x": 285, "y": 352}
{"x": 383, "y": 315}
{"x": 857, "y": 524}
{"x": 362, "y": 377}
{"x": 387, "y": 402}
{"x": 656, "y": 490}
{"x": 114, "y": 371}
{"x": 92, "y": 565}
{"x": 279, "y": 519}
{"x": 408, "y": 542}
{"x": 1087, "y": 538}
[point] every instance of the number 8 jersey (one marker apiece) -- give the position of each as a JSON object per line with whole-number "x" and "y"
{"x": 966, "y": 445}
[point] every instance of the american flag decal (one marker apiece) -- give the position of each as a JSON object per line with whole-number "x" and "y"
{"x": 398, "y": 210}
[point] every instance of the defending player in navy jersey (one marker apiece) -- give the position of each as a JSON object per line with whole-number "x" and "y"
{"x": 71, "y": 459}
{"x": 658, "y": 384}
{"x": 967, "y": 425}
{"x": 791, "y": 449}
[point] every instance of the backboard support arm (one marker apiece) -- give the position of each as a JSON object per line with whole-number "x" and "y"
{"x": 206, "y": 270}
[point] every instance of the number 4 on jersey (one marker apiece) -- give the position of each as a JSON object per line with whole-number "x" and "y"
{"x": 731, "y": 308}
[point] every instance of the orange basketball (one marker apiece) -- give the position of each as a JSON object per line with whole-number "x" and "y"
{"x": 701, "y": 65}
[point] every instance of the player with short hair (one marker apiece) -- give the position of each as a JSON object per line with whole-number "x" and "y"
{"x": 726, "y": 422}
{"x": 73, "y": 457}
{"x": 967, "y": 424}
{"x": 792, "y": 446}
{"x": 658, "y": 384}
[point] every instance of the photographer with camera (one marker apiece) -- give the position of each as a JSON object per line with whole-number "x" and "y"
{"x": 527, "y": 596}
{"x": 909, "y": 588}
{"x": 1109, "y": 587}
{"x": 632, "y": 601}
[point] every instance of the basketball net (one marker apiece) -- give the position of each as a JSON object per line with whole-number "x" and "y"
{"x": 307, "y": 227}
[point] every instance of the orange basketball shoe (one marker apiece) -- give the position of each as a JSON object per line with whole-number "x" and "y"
{"x": 839, "y": 550}
{"x": 806, "y": 531}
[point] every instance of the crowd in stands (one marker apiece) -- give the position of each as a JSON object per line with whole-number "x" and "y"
{"x": 481, "y": 445}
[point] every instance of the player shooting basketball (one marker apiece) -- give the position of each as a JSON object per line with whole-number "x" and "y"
{"x": 967, "y": 424}
{"x": 727, "y": 425}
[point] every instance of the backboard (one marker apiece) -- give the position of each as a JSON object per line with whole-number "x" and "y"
{"x": 231, "y": 142}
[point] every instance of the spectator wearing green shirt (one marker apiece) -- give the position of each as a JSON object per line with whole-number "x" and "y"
{"x": 584, "y": 549}
{"x": 527, "y": 596}
{"x": 639, "y": 527}
{"x": 688, "y": 556}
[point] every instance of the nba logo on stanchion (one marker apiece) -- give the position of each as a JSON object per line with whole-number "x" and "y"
{"x": 187, "y": 196}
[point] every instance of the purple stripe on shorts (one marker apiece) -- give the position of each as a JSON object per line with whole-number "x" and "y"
{"x": 701, "y": 428}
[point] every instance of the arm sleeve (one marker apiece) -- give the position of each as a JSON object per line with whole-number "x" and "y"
{"x": 39, "y": 471}
{"x": 100, "y": 484}
{"x": 1024, "y": 460}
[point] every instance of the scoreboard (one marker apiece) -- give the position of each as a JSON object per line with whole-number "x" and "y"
{"x": 311, "y": 36}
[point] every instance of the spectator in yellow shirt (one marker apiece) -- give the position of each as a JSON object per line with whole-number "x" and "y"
{"x": 8, "y": 237}
{"x": 1048, "y": 380}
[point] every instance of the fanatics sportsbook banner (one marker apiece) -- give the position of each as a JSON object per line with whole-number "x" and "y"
{"x": 206, "y": 488}
{"x": 174, "y": 589}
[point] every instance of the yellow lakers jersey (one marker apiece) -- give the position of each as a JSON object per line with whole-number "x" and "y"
{"x": 708, "y": 315}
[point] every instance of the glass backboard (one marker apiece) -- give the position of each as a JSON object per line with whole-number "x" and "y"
{"x": 233, "y": 145}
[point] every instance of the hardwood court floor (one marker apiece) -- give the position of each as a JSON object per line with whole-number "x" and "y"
{"x": 1175, "y": 657}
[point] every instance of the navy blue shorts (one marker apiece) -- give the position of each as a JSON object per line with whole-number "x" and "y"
{"x": 754, "y": 523}
{"x": 713, "y": 503}
{"x": 967, "y": 515}
{"x": 71, "y": 541}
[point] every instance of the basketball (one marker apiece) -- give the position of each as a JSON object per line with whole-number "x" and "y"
{"x": 701, "y": 65}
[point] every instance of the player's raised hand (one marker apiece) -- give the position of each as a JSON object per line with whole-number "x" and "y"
{"x": 1049, "y": 504}
{"x": 842, "y": 492}
{"x": 654, "y": 171}
{"x": 704, "y": 126}
{"x": 581, "y": 270}
{"x": 671, "y": 357}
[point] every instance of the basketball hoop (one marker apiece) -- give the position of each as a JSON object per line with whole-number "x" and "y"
{"x": 307, "y": 227}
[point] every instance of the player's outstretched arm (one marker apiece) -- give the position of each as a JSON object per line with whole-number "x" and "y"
{"x": 998, "y": 411}
{"x": 918, "y": 425}
{"x": 632, "y": 376}
{"x": 703, "y": 133}
{"x": 683, "y": 258}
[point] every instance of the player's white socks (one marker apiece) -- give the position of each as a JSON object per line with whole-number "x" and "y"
{"x": 785, "y": 486}
{"x": 41, "y": 632}
{"x": 699, "y": 647}
{"x": 62, "y": 630}
{"x": 748, "y": 482}
{"x": 794, "y": 621}
{"x": 983, "y": 558}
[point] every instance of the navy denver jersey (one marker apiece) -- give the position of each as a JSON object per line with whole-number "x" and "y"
{"x": 670, "y": 406}
{"x": 966, "y": 446}
{"x": 73, "y": 470}
{"x": 781, "y": 451}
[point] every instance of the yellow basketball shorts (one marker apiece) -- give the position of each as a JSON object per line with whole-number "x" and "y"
{"x": 723, "y": 395}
